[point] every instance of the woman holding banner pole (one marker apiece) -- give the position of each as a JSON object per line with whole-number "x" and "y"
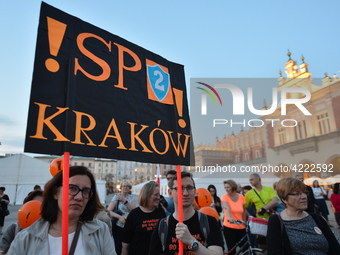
{"x": 86, "y": 235}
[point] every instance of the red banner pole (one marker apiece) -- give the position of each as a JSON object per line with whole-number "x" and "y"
{"x": 180, "y": 205}
{"x": 66, "y": 176}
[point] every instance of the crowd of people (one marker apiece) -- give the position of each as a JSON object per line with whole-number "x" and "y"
{"x": 294, "y": 212}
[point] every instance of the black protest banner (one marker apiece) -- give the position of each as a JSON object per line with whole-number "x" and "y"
{"x": 95, "y": 94}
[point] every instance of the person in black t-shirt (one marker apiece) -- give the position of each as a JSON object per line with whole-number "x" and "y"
{"x": 142, "y": 220}
{"x": 189, "y": 232}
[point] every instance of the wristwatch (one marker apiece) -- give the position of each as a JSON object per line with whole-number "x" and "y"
{"x": 194, "y": 246}
{"x": 126, "y": 202}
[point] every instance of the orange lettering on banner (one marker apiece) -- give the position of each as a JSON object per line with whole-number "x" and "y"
{"x": 179, "y": 146}
{"x": 121, "y": 66}
{"x": 136, "y": 137}
{"x": 47, "y": 122}
{"x": 118, "y": 137}
{"x": 151, "y": 139}
{"x": 80, "y": 129}
{"x": 56, "y": 32}
{"x": 106, "y": 68}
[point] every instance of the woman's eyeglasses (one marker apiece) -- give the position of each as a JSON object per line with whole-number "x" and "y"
{"x": 74, "y": 190}
{"x": 299, "y": 193}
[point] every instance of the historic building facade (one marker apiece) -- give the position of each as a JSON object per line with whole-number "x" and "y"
{"x": 295, "y": 142}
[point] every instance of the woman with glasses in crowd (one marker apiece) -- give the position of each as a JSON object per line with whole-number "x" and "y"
{"x": 125, "y": 203}
{"x": 295, "y": 231}
{"x": 85, "y": 234}
{"x": 234, "y": 209}
{"x": 142, "y": 220}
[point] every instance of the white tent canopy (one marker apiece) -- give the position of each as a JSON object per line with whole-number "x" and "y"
{"x": 204, "y": 179}
{"x": 321, "y": 181}
{"x": 333, "y": 179}
{"x": 20, "y": 173}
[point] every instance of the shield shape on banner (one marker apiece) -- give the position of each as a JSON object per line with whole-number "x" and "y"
{"x": 159, "y": 81}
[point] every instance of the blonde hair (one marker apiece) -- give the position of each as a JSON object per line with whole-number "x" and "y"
{"x": 146, "y": 192}
{"x": 232, "y": 184}
{"x": 127, "y": 183}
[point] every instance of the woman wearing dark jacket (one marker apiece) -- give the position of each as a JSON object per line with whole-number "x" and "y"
{"x": 216, "y": 201}
{"x": 294, "y": 231}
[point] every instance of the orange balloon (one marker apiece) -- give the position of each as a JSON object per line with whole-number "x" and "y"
{"x": 29, "y": 213}
{"x": 210, "y": 211}
{"x": 203, "y": 198}
{"x": 56, "y": 166}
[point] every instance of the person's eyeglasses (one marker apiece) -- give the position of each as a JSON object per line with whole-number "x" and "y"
{"x": 169, "y": 178}
{"x": 125, "y": 186}
{"x": 190, "y": 189}
{"x": 299, "y": 193}
{"x": 74, "y": 190}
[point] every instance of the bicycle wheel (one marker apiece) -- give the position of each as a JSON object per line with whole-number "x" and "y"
{"x": 254, "y": 251}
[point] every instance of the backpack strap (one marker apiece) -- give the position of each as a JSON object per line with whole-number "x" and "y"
{"x": 163, "y": 230}
{"x": 204, "y": 226}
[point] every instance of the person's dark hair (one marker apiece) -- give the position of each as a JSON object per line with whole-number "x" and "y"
{"x": 32, "y": 195}
{"x": 247, "y": 187}
{"x": 172, "y": 172}
{"x": 2, "y": 188}
{"x": 336, "y": 188}
{"x": 213, "y": 187}
{"x": 37, "y": 187}
{"x": 183, "y": 175}
{"x": 49, "y": 207}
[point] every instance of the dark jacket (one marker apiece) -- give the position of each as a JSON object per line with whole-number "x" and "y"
{"x": 218, "y": 208}
{"x": 274, "y": 238}
{"x": 311, "y": 200}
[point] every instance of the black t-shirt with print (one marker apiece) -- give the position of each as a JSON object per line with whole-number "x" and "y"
{"x": 138, "y": 229}
{"x": 171, "y": 246}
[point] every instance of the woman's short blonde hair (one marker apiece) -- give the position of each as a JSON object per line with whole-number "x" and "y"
{"x": 232, "y": 184}
{"x": 289, "y": 185}
{"x": 146, "y": 192}
{"x": 127, "y": 183}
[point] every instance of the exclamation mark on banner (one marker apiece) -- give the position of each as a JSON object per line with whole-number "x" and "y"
{"x": 56, "y": 32}
{"x": 179, "y": 104}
